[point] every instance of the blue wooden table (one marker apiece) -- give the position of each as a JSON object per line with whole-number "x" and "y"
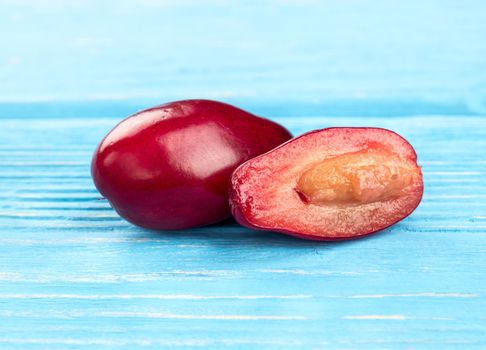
{"x": 74, "y": 275}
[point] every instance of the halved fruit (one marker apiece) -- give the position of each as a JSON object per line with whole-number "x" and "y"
{"x": 329, "y": 184}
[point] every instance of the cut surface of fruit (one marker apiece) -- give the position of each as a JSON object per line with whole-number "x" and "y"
{"x": 329, "y": 184}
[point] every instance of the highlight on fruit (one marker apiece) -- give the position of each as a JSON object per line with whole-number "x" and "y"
{"x": 169, "y": 167}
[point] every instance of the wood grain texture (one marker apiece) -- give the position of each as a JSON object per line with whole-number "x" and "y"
{"x": 74, "y": 275}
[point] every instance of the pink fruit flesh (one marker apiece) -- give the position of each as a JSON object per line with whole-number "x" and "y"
{"x": 169, "y": 167}
{"x": 329, "y": 184}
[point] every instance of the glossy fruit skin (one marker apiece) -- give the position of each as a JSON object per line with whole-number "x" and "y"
{"x": 248, "y": 179}
{"x": 169, "y": 167}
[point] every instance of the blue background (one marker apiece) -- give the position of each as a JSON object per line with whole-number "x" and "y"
{"x": 74, "y": 275}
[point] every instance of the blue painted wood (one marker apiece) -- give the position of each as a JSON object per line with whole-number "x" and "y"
{"x": 74, "y": 275}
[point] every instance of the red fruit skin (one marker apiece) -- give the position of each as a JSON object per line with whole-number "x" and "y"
{"x": 169, "y": 167}
{"x": 241, "y": 200}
